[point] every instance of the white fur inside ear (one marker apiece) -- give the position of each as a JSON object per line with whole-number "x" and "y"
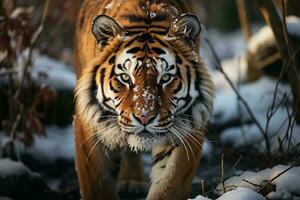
{"x": 187, "y": 25}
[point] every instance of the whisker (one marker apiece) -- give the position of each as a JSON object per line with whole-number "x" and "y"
{"x": 181, "y": 140}
{"x": 192, "y": 136}
{"x": 188, "y": 145}
{"x": 96, "y": 133}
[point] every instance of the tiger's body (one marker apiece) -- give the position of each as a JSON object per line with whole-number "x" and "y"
{"x": 141, "y": 86}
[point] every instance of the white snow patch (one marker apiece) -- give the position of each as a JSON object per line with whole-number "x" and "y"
{"x": 259, "y": 97}
{"x": 58, "y": 74}
{"x": 200, "y": 198}
{"x": 265, "y": 35}
{"x": 58, "y": 143}
{"x": 241, "y": 194}
{"x": 287, "y": 183}
{"x": 12, "y": 168}
{"x": 237, "y": 194}
{"x": 206, "y": 149}
{"x": 4, "y": 198}
{"x": 236, "y": 70}
{"x": 152, "y": 14}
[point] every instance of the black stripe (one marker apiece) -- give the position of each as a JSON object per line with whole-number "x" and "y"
{"x": 162, "y": 155}
{"x": 112, "y": 60}
{"x": 102, "y": 72}
{"x": 171, "y": 68}
{"x": 179, "y": 87}
{"x": 112, "y": 88}
{"x": 198, "y": 83}
{"x": 145, "y": 37}
{"x": 131, "y": 33}
{"x": 160, "y": 42}
{"x": 134, "y": 50}
{"x": 158, "y": 50}
{"x": 145, "y": 27}
{"x": 178, "y": 60}
{"x": 117, "y": 105}
{"x": 130, "y": 42}
{"x": 188, "y": 98}
{"x": 160, "y": 32}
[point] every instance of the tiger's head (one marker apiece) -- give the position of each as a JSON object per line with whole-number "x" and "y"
{"x": 147, "y": 85}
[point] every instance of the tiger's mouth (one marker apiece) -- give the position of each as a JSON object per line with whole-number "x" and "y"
{"x": 145, "y": 140}
{"x": 147, "y": 133}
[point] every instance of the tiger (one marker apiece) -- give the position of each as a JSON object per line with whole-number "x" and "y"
{"x": 141, "y": 86}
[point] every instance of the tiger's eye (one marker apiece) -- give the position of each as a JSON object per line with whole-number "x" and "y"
{"x": 125, "y": 78}
{"x": 166, "y": 77}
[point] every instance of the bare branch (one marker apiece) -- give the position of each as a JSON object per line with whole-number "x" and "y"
{"x": 271, "y": 180}
{"x": 240, "y": 98}
{"x": 222, "y": 173}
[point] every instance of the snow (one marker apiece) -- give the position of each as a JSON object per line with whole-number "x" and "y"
{"x": 241, "y": 194}
{"x": 152, "y": 14}
{"x": 227, "y": 45}
{"x": 237, "y": 194}
{"x": 12, "y": 168}
{"x": 58, "y": 74}
{"x": 200, "y": 198}
{"x": 236, "y": 70}
{"x": 265, "y": 35}
{"x": 259, "y": 97}
{"x": 286, "y": 184}
{"x": 293, "y": 25}
{"x": 58, "y": 143}
{"x": 207, "y": 149}
{"x": 4, "y": 198}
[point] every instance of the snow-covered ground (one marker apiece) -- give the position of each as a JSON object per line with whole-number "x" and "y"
{"x": 58, "y": 74}
{"x": 259, "y": 96}
{"x": 57, "y": 144}
{"x": 239, "y": 193}
{"x": 12, "y": 168}
{"x": 283, "y": 179}
{"x": 286, "y": 185}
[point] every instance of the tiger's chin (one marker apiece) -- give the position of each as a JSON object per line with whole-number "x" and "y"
{"x": 144, "y": 141}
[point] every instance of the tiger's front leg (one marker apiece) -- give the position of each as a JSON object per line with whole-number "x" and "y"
{"x": 131, "y": 181}
{"x": 173, "y": 171}
{"x": 96, "y": 172}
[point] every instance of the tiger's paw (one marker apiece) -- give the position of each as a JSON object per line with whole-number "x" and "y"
{"x": 132, "y": 189}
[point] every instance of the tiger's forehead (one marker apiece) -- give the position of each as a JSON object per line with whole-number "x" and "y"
{"x": 132, "y": 61}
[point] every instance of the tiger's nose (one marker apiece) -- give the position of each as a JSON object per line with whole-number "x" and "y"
{"x": 144, "y": 119}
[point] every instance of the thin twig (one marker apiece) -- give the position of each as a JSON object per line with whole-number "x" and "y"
{"x": 222, "y": 173}
{"x": 254, "y": 184}
{"x": 240, "y": 98}
{"x": 285, "y": 48}
{"x": 278, "y": 175}
{"x": 203, "y": 187}
{"x": 237, "y": 162}
{"x": 34, "y": 38}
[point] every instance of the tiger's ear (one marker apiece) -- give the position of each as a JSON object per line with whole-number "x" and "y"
{"x": 186, "y": 26}
{"x": 105, "y": 27}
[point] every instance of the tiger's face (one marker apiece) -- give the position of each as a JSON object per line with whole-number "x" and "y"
{"x": 146, "y": 89}
{"x": 152, "y": 88}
